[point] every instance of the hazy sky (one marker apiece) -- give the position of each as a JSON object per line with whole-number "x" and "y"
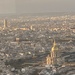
{"x": 7, "y": 6}
{"x": 36, "y": 6}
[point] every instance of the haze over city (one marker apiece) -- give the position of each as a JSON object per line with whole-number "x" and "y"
{"x": 36, "y": 6}
{"x": 37, "y": 37}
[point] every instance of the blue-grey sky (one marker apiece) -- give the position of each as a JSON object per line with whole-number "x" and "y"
{"x": 36, "y": 6}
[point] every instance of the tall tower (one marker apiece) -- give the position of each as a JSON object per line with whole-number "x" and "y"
{"x": 54, "y": 54}
{"x": 31, "y": 27}
{"x": 5, "y": 23}
{"x": 48, "y": 60}
{"x": 52, "y": 58}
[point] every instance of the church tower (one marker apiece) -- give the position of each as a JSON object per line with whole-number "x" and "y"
{"x": 52, "y": 58}
{"x": 54, "y": 54}
{"x": 48, "y": 60}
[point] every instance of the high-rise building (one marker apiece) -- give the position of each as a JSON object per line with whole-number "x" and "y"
{"x": 5, "y": 23}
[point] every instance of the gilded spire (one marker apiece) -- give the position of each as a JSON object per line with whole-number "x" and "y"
{"x": 54, "y": 46}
